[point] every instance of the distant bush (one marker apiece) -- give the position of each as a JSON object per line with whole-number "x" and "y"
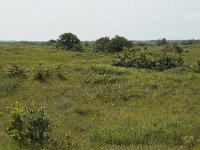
{"x": 51, "y": 42}
{"x": 113, "y": 45}
{"x": 69, "y": 41}
{"x": 162, "y": 42}
{"x": 173, "y": 48}
{"x": 15, "y": 71}
{"x": 101, "y": 45}
{"x": 77, "y": 48}
{"x": 138, "y": 59}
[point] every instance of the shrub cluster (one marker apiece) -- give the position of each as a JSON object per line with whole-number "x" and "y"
{"x": 15, "y": 71}
{"x": 107, "y": 45}
{"x": 28, "y": 126}
{"x": 42, "y": 74}
{"x": 31, "y": 128}
{"x": 138, "y": 59}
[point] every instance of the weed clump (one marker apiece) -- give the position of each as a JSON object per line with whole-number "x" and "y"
{"x": 197, "y": 67}
{"x": 42, "y": 74}
{"x": 15, "y": 71}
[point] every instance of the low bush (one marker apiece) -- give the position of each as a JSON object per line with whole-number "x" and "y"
{"x": 29, "y": 127}
{"x": 197, "y": 67}
{"x": 32, "y": 128}
{"x": 42, "y": 74}
{"x": 139, "y": 59}
{"x": 15, "y": 71}
{"x": 8, "y": 86}
{"x": 78, "y": 48}
{"x": 59, "y": 73}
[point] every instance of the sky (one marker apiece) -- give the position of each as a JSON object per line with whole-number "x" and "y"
{"x": 42, "y": 20}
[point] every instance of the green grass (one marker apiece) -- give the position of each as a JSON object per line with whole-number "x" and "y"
{"x": 101, "y": 106}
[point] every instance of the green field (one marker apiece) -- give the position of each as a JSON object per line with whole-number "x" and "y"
{"x": 101, "y": 106}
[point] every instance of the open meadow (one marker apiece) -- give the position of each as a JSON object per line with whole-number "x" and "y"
{"x": 99, "y": 105}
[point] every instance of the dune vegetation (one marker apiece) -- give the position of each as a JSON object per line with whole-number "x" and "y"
{"x": 132, "y": 99}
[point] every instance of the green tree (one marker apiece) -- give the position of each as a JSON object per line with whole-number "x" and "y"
{"x": 101, "y": 45}
{"x": 117, "y": 44}
{"x": 68, "y": 41}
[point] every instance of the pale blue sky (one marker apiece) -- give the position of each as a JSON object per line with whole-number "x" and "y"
{"x": 91, "y": 19}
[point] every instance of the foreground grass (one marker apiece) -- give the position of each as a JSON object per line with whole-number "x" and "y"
{"x": 101, "y": 106}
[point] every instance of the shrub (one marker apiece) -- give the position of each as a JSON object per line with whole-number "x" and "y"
{"x": 29, "y": 127}
{"x": 101, "y": 45}
{"x": 117, "y": 44}
{"x": 178, "y": 49}
{"x": 59, "y": 73}
{"x": 77, "y": 48}
{"x": 138, "y": 59}
{"x": 42, "y": 74}
{"x": 197, "y": 67}
{"x": 8, "y": 86}
{"x": 162, "y": 42}
{"x": 15, "y": 71}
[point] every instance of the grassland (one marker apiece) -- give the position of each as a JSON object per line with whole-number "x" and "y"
{"x": 101, "y": 106}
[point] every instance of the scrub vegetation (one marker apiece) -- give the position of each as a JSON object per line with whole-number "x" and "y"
{"x": 108, "y": 94}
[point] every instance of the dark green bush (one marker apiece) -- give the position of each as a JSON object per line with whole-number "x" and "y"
{"x": 116, "y": 44}
{"x": 8, "y": 86}
{"x": 138, "y": 59}
{"x": 59, "y": 73}
{"x": 197, "y": 67}
{"x": 101, "y": 45}
{"x": 15, "y": 71}
{"x": 29, "y": 127}
{"x": 42, "y": 74}
{"x": 77, "y": 48}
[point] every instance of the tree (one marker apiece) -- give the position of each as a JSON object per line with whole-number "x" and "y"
{"x": 68, "y": 41}
{"x": 117, "y": 44}
{"x": 101, "y": 45}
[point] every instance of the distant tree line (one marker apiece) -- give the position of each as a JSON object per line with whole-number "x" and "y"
{"x": 69, "y": 41}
